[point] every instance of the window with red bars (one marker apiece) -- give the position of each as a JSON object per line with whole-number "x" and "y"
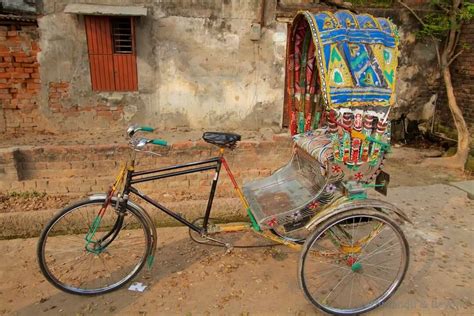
{"x": 112, "y": 53}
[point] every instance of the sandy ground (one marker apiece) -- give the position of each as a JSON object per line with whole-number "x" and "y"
{"x": 192, "y": 279}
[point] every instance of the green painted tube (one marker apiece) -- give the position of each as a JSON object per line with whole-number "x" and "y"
{"x": 253, "y": 221}
{"x": 160, "y": 142}
{"x": 147, "y": 128}
{"x": 316, "y": 118}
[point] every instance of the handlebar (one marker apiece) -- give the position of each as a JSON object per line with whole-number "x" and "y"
{"x": 160, "y": 142}
{"x": 132, "y": 129}
{"x": 142, "y": 142}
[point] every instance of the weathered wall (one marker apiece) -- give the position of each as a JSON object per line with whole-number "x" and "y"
{"x": 197, "y": 67}
{"x": 19, "y": 5}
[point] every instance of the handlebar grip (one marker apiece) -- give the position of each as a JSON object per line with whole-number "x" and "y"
{"x": 160, "y": 142}
{"x": 147, "y": 128}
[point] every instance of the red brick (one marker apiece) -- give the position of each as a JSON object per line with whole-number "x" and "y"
{"x": 35, "y": 46}
{"x": 20, "y": 54}
{"x": 12, "y": 33}
{"x": 33, "y": 86}
{"x": 28, "y": 70}
{"x": 35, "y": 75}
{"x": 59, "y": 84}
{"x": 5, "y": 96}
{"x": 10, "y": 105}
{"x": 23, "y": 96}
{"x": 20, "y": 75}
{"x": 105, "y": 114}
{"x": 5, "y": 75}
{"x": 25, "y": 59}
{"x": 8, "y": 59}
{"x": 62, "y": 89}
{"x": 31, "y": 65}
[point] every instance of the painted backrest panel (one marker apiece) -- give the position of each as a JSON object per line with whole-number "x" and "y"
{"x": 356, "y": 57}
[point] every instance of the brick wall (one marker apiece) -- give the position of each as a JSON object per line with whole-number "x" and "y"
{"x": 19, "y": 79}
{"x": 81, "y": 169}
{"x": 61, "y": 104}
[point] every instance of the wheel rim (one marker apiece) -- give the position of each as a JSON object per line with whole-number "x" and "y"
{"x": 75, "y": 269}
{"x": 354, "y": 264}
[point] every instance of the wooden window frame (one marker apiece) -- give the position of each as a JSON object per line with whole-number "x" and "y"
{"x": 110, "y": 71}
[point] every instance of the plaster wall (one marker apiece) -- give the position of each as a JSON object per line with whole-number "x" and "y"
{"x": 197, "y": 67}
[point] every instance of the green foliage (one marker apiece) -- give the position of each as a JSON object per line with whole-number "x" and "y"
{"x": 27, "y": 194}
{"x": 437, "y": 24}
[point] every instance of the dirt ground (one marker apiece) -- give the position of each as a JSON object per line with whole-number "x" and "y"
{"x": 192, "y": 279}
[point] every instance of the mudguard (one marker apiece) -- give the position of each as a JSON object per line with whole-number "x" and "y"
{"x": 150, "y": 225}
{"x": 348, "y": 205}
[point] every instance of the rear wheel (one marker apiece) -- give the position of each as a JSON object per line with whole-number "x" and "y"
{"x": 353, "y": 262}
{"x": 113, "y": 254}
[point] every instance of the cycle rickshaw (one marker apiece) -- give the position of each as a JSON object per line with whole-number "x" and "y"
{"x": 341, "y": 75}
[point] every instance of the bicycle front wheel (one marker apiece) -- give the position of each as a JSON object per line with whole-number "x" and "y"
{"x": 353, "y": 262}
{"x": 80, "y": 259}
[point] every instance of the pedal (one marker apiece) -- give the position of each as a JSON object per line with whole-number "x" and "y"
{"x": 229, "y": 248}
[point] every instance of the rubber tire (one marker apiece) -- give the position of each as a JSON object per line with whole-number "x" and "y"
{"x": 329, "y": 222}
{"x": 298, "y": 241}
{"x": 70, "y": 208}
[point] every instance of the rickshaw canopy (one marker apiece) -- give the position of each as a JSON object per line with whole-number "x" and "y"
{"x": 355, "y": 57}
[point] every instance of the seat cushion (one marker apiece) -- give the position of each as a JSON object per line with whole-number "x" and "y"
{"x": 221, "y": 139}
{"x": 316, "y": 143}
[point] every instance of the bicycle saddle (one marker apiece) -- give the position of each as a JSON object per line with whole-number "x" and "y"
{"x": 228, "y": 140}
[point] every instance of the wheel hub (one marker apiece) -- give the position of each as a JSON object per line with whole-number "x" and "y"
{"x": 354, "y": 264}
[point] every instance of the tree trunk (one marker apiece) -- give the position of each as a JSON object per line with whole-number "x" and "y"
{"x": 463, "y": 133}
{"x": 459, "y": 159}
